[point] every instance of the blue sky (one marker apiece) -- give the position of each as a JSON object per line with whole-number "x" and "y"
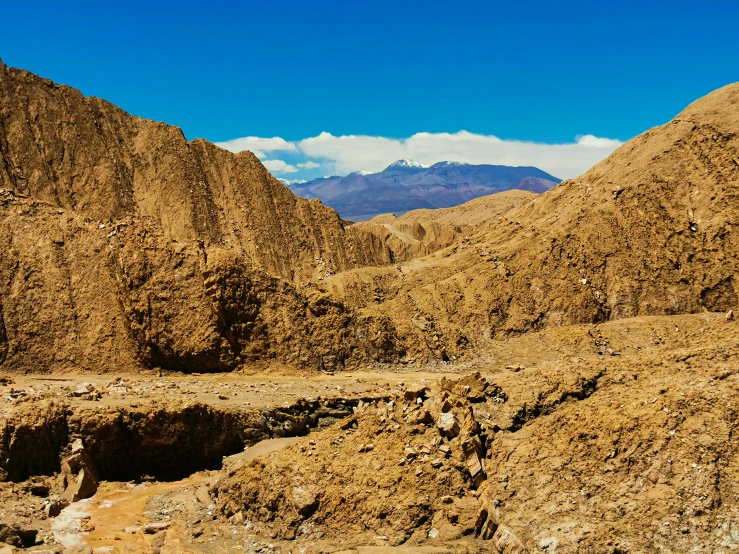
{"x": 527, "y": 73}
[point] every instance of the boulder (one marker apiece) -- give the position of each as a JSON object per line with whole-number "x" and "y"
{"x": 506, "y": 542}
{"x": 54, "y": 506}
{"x": 78, "y": 474}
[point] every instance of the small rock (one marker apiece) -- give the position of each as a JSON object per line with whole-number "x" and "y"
{"x": 81, "y": 486}
{"x": 305, "y": 501}
{"x": 151, "y": 528}
{"x": 730, "y": 315}
{"x": 448, "y": 425}
{"x": 83, "y": 389}
{"x": 53, "y": 507}
{"x": 201, "y": 493}
{"x": 237, "y": 518}
{"x": 415, "y": 392}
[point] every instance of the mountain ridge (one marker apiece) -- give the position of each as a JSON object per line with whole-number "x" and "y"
{"x": 129, "y": 247}
{"x": 406, "y": 185}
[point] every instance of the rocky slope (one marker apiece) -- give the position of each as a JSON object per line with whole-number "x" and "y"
{"x": 421, "y": 232}
{"x": 128, "y": 245}
{"x": 608, "y": 438}
{"x": 597, "y": 454}
{"x": 650, "y": 230}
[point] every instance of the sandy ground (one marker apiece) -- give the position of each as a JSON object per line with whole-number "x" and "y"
{"x": 543, "y": 373}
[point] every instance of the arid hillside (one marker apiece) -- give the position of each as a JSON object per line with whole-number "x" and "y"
{"x": 130, "y": 247}
{"x": 649, "y": 231}
{"x": 127, "y": 245}
{"x": 421, "y": 232}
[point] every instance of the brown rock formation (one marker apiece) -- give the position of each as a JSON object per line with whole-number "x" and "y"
{"x": 126, "y": 245}
{"x": 421, "y": 232}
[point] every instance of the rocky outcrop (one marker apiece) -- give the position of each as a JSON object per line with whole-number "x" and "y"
{"x": 85, "y": 445}
{"x": 129, "y": 247}
{"x": 395, "y": 472}
{"x": 79, "y": 476}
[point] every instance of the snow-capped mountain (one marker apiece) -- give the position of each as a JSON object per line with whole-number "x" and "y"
{"x": 405, "y": 163}
{"x": 407, "y": 185}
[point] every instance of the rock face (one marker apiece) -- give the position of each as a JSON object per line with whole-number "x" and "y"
{"x": 414, "y": 479}
{"x": 126, "y": 245}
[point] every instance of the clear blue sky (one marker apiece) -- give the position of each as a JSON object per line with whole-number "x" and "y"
{"x": 540, "y": 71}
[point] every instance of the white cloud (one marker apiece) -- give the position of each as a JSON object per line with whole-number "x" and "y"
{"x": 357, "y": 152}
{"x": 279, "y": 166}
{"x": 259, "y": 146}
{"x": 590, "y": 140}
{"x": 345, "y": 154}
{"x": 289, "y": 183}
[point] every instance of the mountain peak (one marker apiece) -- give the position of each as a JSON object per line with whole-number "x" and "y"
{"x": 405, "y": 163}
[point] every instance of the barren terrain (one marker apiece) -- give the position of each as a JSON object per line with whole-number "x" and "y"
{"x": 194, "y": 360}
{"x": 576, "y": 426}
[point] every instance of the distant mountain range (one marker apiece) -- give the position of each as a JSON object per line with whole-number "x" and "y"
{"x": 407, "y": 185}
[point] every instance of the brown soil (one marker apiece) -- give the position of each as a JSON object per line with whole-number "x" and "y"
{"x": 588, "y": 433}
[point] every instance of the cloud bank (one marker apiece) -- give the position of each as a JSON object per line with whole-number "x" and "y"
{"x": 345, "y": 154}
{"x": 260, "y": 147}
